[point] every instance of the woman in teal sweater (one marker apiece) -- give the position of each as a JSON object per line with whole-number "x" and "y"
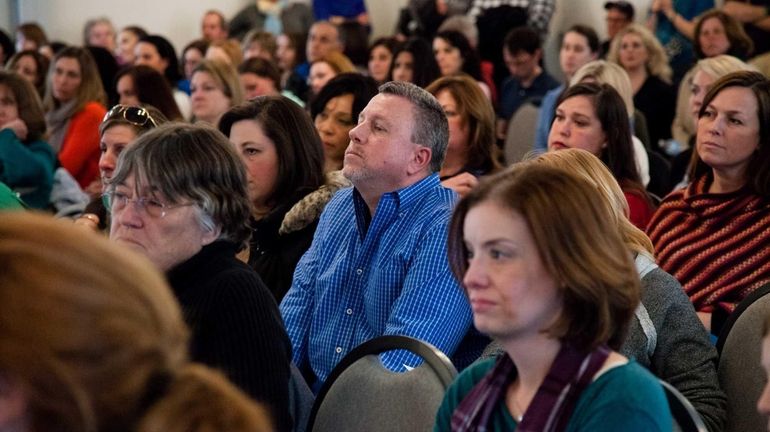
{"x": 556, "y": 286}
{"x": 26, "y": 161}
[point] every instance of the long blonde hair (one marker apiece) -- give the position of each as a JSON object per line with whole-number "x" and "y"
{"x": 657, "y": 61}
{"x": 589, "y": 167}
{"x": 91, "y": 332}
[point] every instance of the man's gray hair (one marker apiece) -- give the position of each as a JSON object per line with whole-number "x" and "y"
{"x": 430, "y": 124}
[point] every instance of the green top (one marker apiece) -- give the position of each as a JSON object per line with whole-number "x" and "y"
{"x": 9, "y": 200}
{"x": 627, "y": 398}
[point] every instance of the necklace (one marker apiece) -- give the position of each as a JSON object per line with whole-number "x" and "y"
{"x": 518, "y": 415}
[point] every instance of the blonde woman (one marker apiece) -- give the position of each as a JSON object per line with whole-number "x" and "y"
{"x": 214, "y": 89}
{"x": 326, "y": 68}
{"x": 643, "y": 58}
{"x": 93, "y": 340}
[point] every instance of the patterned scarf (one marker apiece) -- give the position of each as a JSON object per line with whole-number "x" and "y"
{"x": 551, "y": 408}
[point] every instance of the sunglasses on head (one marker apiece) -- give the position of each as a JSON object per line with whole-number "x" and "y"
{"x": 135, "y": 115}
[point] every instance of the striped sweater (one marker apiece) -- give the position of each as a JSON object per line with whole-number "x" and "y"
{"x": 716, "y": 245}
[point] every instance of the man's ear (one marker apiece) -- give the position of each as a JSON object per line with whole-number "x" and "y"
{"x": 420, "y": 161}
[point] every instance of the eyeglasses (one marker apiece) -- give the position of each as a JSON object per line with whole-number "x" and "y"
{"x": 135, "y": 115}
{"x": 117, "y": 201}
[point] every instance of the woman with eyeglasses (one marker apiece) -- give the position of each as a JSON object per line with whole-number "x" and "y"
{"x": 26, "y": 160}
{"x": 74, "y": 103}
{"x": 122, "y": 125}
{"x": 179, "y": 196}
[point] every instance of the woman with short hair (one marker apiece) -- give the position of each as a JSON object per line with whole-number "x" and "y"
{"x": 179, "y": 197}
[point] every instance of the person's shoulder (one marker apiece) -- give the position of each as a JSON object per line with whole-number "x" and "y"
{"x": 94, "y": 109}
{"x": 615, "y": 383}
{"x": 468, "y": 378}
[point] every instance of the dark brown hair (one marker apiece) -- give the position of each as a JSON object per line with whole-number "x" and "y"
{"x": 27, "y": 102}
{"x": 300, "y": 155}
{"x": 741, "y": 45}
{"x": 152, "y": 88}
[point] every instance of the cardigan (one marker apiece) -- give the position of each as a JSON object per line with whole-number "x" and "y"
{"x": 80, "y": 151}
{"x": 716, "y": 244}
{"x": 235, "y": 325}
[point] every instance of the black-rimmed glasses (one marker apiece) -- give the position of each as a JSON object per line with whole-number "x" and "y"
{"x": 135, "y": 115}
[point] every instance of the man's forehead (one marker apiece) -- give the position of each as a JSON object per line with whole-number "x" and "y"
{"x": 324, "y": 29}
{"x": 383, "y": 104}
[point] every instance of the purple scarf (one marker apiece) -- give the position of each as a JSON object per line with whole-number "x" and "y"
{"x": 551, "y": 408}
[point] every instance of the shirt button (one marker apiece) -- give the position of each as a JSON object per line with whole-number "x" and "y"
{"x": 359, "y": 272}
{"x": 338, "y": 350}
{"x": 349, "y": 311}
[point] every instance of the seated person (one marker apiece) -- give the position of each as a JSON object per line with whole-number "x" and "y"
{"x": 179, "y": 197}
{"x": 713, "y": 235}
{"x": 376, "y": 264}
{"x": 93, "y": 340}
{"x": 559, "y": 313}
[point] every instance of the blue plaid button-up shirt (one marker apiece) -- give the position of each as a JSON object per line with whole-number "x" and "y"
{"x": 389, "y": 276}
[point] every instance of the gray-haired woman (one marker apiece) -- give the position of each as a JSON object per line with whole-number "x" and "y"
{"x": 179, "y": 196}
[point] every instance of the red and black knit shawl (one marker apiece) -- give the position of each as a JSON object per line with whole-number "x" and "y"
{"x": 716, "y": 245}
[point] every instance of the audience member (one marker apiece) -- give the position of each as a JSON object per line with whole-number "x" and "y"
{"x": 340, "y": 11}
{"x": 32, "y": 66}
{"x": 259, "y": 77}
{"x": 672, "y": 23}
{"x": 335, "y": 112}
{"x": 559, "y": 313}
{"x": 454, "y": 55}
{"x": 26, "y": 160}
{"x": 604, "y": 72}
{"x": 381, "y": 58}
{"x": 326, "y": 68}
{"x": 763, "y": 404}
{"x": 259, "y": 43}
{"x": 290, "y": 57}
{"x": 226, "y": 51}
{"x": 754, "y": 16}
{"x": 717, "y": 33}
{"x": 538, "y": 12}
{"x": 324, "y": 37}
{"x": 30, "y": 35}
{"x": 528, "y": 82}
{"x": 697, "y": 83}
{"x": 157, "y": 52}
{"x": 215, "y": 89}
{"x": 122, "y": 125}
{"x": 108, "y": 68}
{"x": 593, "y": 117}
{"x": 414, "y": 62}
{"x": 284, "y": 169}
{"x": 99, "y": 32}
{"x": 376, "y": 264}
{"x": 665, "y": 335}
{"x": 143, "y": 85}
{"x": 619, "y": 15}
{"x": 179, "y": 197}
{"x": 643, "y": 58}
{"x": 93, "y": 340}
{"x": 580, "y": 45}
{"x": 712, "y": 235}
{"x": 127, "y": 39}
{"x": 213, "y": 26}
{"x": 471, "y": 150}
{"x": 74, "y": 103}
{"x": 192, "y": 55}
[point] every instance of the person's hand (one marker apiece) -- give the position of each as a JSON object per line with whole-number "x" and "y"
{"x": 461, "y": 183}
{"x": 441, "y": 7}
{"x": 667, "y": 6}
{"x": 18, "y": 127}
{"x": 88, "y": 221}
{"x": 655, "y": 7}
{"x": 94, "y": 189}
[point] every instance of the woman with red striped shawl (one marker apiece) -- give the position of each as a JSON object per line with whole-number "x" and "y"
{"x": 714, "y": 235}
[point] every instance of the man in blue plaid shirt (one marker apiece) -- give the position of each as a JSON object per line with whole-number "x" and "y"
{"x": 377, "y": 265}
